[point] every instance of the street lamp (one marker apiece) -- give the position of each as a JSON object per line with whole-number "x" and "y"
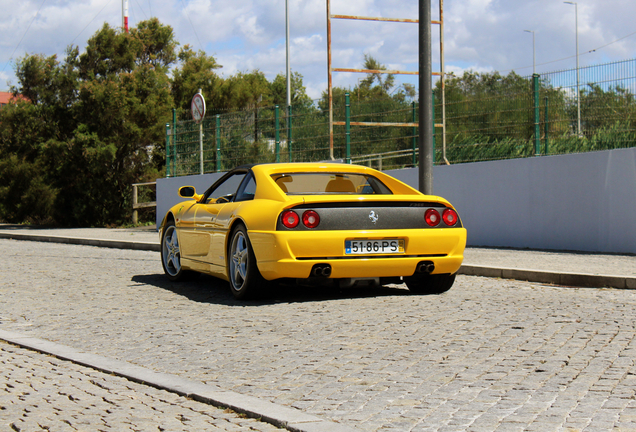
{"x": 578, "y": 93}
{"x": 534, "y": 57}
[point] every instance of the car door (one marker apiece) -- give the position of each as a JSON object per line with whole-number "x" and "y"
{"x": 226, "y": 214}
{"x": 206, "y": 223}
{"x": 194, "y": 243}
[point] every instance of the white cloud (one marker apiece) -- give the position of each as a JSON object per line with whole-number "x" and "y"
{"x": 481, "y": 35}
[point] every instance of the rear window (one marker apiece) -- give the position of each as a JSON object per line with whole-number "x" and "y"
{"x": 330, "y": 184}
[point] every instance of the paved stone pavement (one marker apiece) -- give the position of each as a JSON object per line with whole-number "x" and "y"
{"x": 556, "y": 261}
{"x": 40, "y": 392}
{"x": 488, "y": 355}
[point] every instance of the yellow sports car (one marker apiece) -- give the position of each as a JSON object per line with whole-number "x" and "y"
{"x": 319, "y": 222}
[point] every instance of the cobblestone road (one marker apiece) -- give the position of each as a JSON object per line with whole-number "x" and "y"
{"x": 488, "y": 355}
{"x": 40, "y": 392}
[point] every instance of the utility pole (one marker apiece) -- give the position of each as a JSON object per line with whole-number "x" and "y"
{"x": 426, "y": 100}
{"x": 289, "y": 107}
{"x": 287, "y": 52}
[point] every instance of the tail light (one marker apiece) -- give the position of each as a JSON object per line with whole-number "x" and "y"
{"x": 432, "y": 217}
{"x": 311, "y": 219}
{"x": 290, "y": 219}
{"x": 450, "y": 217}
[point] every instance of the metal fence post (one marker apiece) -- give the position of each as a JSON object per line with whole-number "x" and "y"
{"x": 348, "y": 127}
{"x": 289, "y": 131}
{"x": 545, "y": 126}
{"x": 174, "y": 141}
{"x": 201, "y": 147}
{"x": 218, "y": 143}
{"x": 537, "y": 119}
{"x": 168, "y": 150}
{"x": 415, "y": 135}
{"x": 433, "y": 115}
{"x": 277, "y": 127}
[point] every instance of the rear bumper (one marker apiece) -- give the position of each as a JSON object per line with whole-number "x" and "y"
{"x": 282, "y": 254}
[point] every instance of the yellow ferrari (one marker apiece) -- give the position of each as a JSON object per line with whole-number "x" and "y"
{"x": 318, "y": 222}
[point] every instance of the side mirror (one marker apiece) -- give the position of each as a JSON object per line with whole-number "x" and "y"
{"x": 187, "y": 192}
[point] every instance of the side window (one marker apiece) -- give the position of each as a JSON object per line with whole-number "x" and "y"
{"x": 226, "y": 191}
{"x": 247, "y": 190}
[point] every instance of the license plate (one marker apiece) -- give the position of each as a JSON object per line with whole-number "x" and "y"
{"x": 390, "y": 246}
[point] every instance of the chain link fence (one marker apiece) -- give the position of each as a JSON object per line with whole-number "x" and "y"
{"x": 493, "y": 117}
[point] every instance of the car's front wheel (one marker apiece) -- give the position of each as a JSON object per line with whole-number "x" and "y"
{"x": 171, "y": 253}
{"x": 245, "y": 279}
{"x": 430, "y": 284}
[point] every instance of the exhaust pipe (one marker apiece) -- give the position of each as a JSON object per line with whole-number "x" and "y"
{"x": 426, "y": 267}
{"x": 321, "y": 271}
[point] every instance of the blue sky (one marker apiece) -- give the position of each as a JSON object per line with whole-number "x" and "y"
{"x": 480, "y": 35}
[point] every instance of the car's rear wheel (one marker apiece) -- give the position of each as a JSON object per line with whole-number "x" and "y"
{"x": 245, "y": 279}
{"x": 430, "y": 284}
{"x": 171, "y": 253}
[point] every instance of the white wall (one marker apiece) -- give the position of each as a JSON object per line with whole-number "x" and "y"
{"x": 168, "y": 190}
{"x": 584, "y": 202}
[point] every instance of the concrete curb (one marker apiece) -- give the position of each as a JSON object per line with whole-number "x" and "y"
{"x": 116, "y": 244}
{"x": 557, "y": 278}
{"x": 278, "y": 415}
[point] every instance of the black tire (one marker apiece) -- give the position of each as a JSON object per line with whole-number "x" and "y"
{"x": 430, "y": 284}
{"x": 171, "y": 253}
{"x": 245, "y": 279}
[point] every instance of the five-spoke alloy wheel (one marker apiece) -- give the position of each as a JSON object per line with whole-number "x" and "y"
{"x": 171, "y": 253}
{"x": 245, "y": 279}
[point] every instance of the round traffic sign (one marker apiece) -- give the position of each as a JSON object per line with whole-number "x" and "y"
{"x": 198, "y": 107}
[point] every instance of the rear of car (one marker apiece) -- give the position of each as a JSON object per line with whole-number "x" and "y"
{"x": 352, "y": 222}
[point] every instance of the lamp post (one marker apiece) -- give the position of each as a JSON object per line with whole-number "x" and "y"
{"x": 287, "y": 69}
{"x": 578, "y": 93}
{"x": 534, "y": 57}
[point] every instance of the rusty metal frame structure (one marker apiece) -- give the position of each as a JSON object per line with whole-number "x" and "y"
{"x": 331, "y": 70}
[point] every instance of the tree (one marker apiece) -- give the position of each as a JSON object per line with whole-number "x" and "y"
{"x": 196, "y": 72}
{"x": 298, "y": 92}
{"x": 603, "y": 108}
{"x": 384, "y": 89}
{"x": 245, "y": 90}
{"x": 93, "y": 125}
{"x": 385, "y": 81}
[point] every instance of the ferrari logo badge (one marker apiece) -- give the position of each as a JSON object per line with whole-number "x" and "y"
{"x": 374, "y": 217}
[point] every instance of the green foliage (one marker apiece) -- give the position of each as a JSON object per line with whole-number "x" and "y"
{"x": 607, "y": 108}
{"x": 156, "y": 44}
{"x": 476, "y": 148}
{"x": 488, "y": 116}
{"x": 489, "y": 105}
{"x": 298, "y": 92}
{"x": 91, "y": 126}
{"x": 25, "y": 195}
{"x": 244, "y": 91}
{"x": 85, "y": 128}
{"x": 196, "y": 72}
{"x": 385, "y": 81}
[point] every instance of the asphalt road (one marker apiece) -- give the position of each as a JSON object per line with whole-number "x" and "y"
{"x": 490, "y": 354}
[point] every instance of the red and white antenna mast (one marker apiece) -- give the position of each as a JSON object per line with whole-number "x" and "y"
{"x": 124, "y": 13}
